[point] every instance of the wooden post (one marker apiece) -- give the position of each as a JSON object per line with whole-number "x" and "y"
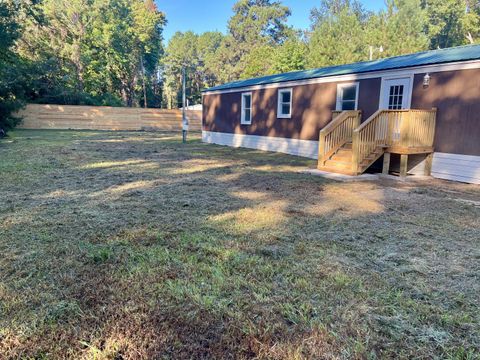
{"x": 386, "y": 163}
{"x": 427, "y": 171}
{"x": 355, "y": 153}
{"x": 390, "y": 123}
{"x": 358, "y": 119}
{"x": 403, "y": 165}
{"x": 434, "y": 125}
{"x": 404, "y": 128}
{"x": 321, "y": 150}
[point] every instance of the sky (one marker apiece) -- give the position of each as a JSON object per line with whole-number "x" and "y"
{"x": 210, "y": 15}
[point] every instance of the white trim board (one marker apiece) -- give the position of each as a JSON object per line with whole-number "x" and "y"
{"x": 403, "y": 72}
{"x": 303, "y": 148}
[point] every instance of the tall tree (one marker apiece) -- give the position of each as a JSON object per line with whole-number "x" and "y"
{"x": 181, "y": 53}
{"x": 400, "y": 29}
{"x": 290, "y": 56}
{"x": 13, "y": 69}
{"x": 452, "y": 22}
{"x": 471, "y": 22}
{"x": 254, "y": 26}
{"x": 195, "y": 53}
{"x": 338, "y": 39}
{"x": 94, "y": 51}
{"x": 128, "y": 44}
{"x": 344, "y": 33}
{"x": 329, "y": 8}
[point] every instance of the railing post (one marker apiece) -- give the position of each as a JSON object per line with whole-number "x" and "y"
{"x": 390, "y": 124}
{"x": 404, "y": 128}
{"x": 357, "y": 120}
{"x": 434, "y": 125}
{"x": 321, "y": 149}
{"x": 355, "y": 150}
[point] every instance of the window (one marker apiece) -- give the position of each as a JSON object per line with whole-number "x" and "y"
{"x": 284, "y": 109}
{"x": 347, "y": 96}
{"x": 246, "y": 118}
{"x": 395, "y": 98}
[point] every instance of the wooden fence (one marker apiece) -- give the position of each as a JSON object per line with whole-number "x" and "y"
{"x": 37, "y": 116}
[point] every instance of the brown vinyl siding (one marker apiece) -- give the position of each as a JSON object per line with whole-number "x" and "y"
{"x": 311, "y": 110}
{"x": 456, "y": 95}
{"x": 369, "y": 97}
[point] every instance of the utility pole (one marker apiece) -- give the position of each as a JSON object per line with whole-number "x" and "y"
{"x": 184, "y": 104}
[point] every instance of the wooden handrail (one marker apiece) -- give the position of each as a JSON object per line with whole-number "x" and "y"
{"x": 370, "y": 119}
{"x": 335, "y": 122}
{"x": 337, "y": 133}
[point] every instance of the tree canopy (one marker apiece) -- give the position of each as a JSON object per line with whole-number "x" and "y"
{"x": 111, "y": 52}
{"x": 13, "y": 70}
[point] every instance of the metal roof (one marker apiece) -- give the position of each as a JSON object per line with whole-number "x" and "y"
{"x": 461, "y": 53}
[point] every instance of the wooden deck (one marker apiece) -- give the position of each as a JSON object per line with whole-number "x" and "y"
{"x": 348, "y": 147}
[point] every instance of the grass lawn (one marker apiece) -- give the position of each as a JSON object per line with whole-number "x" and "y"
{"x": 124, "y": 245}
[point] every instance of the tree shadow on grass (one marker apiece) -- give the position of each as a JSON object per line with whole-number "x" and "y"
{"x": 202, "y": 251}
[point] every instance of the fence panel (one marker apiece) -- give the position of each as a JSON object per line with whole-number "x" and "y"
{"x": 36, "y": 116}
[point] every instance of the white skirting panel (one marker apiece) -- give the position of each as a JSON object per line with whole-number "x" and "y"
{"x": 464, "y": 168}
{"x": 456, "y": 167}
{"x": 304, "y": 148}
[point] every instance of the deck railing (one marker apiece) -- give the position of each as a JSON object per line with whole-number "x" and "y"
{"x": 416, "y": 128}
{"x": 337, "y": 133}
{"x": 399, "y": 130}
{"x": 335, "y": 113}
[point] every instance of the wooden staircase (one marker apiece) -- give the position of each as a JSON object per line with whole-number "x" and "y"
{"x": 346, "y": 147}
{"x": 341, "y": 161}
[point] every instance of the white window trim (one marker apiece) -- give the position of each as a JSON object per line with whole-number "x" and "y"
{"x": 279, "y": 104}
{"x": 242, "y": 118}
{"x": 340, "y": 88}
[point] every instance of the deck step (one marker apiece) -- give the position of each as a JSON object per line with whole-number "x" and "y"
{"x": 343, "y": 151}
{"x": 338, "y": 164}
{"x": 342, "y": 157}
{"x": 336, "y": 170}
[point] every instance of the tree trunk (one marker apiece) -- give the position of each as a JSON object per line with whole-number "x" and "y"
{"x": 470, "y": 38}
{"x": 144, "y": 85}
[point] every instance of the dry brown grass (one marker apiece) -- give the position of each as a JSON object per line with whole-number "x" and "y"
{"x": 132, "y": 245}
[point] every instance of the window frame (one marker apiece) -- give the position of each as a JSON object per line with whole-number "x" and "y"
{"x": 243, "y": 121}
{"x": 280, "y": 104}
{"x": 383, "y": 102}
{"x": 340, "y": 88}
